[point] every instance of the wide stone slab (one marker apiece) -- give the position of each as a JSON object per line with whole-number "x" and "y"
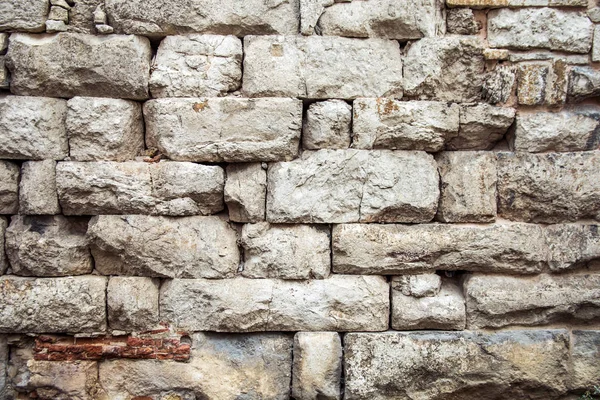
{"x": 335, "y": 186}
{"x": 224, "y": 129}
{"x": 23, "y": 15}
{"x": 339, "y": 303}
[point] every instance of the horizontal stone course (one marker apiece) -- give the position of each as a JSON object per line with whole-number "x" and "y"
{"x": 515, "y": 3}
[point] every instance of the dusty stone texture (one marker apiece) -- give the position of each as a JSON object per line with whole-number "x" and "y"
{"x": 446, "y": 365}
{"x": 48, "y": 246}
{"x": 4, "y": 75}
{"x": 3, "y": 364}
{"x": 338, "y": 303}
{"x": 229, "y": 17}
{"x": 516, "y": 3}
{"x": 81, "y": 16}
{"x": 104, "y": 129}
{"x": 23, "y": 15}
{"x": 549, "y": 188}
{"x": 585, "y": 354}
{"x": 33, "y": 128}
{"x": 544, "y": 83}
{"x": 163, "y": 247}
{"x": 9, "y": 187}
{"x": 596, "y": 46}
{"x": 3, "y": 42}
{"x": 310, "y": 12}
{"x": 245, "y": 192}
{"x": 3, "y": 259}
{"x": 422, "y": 285}
{"x": 37, "y": 188}
{"x": 495, "y": 301}
{"x": 573, "y": 246}
{"x": 285, "y": 251}
{"x": 405, "y": 125}
{"x": 481, "y": 126}
{"x": 73, "y": 64}
{"x": 545, "y": 28}
{"x": 165, "y": 188}
{"x": 468, "y": 186}
{"x": 499, "y": 84}
{"x": 401, "y": 249}
{"x": 317, "y": 369}
{"x": 197, "y": 65}
{"x": 218, "y": 129}
{"x": 321, "y": 67}
{"x": 462, "y": 21}
{"x": 132, "y": 303}
{"x": 56, "y": 26}
{"x": 445, "y": 68}
{"x": 369, "y": 186}
{"x": 249, "y": 367}
{"x": 584, "y": 82}
{"x": 328, "y": 125}
{"x": 38, "y": 305}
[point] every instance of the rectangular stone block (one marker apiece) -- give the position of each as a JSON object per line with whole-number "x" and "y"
{"x": 132, "y": 303}
{"x": 321, "y": 67}
{"x": 23, "y": 15}
{"x": 596, "y": 46}
{"x": 481, "y": 126}
{"x": 573, "y": 246}
{"x": 165, "y": 188}
{"x": 9, "y": 188}
{"x": 335, "y": 186}
{"x": 224, "y": 129}
{"x": 246, "y": 192}
{"x": 585, "y": 355}
{"x": 37, "y": 188}
{"x": 47, "y": 305}
{"x": 327, "y": 125}
{"x": 339, "y": 303}
{"x": 584, "y": 82}
{"x": 4, "y": 364}
{"x": 515, "y": 3}
{"x": 542, "y": 83}
{"x": 72, "y": 64}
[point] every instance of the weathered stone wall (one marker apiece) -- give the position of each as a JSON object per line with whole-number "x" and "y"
{"x": 306, "y": 199}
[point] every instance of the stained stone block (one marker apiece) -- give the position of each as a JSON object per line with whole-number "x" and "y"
{"x": 584, "y": 82}
{"x": 37, "y": 189}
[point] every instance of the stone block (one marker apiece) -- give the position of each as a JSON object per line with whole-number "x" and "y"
{"x": 9, "y": 187}
{"x": 37, "y": 188}
{"x": 23, "y": 15}
{"x": 481, "y": 126}
{"x": 596, "y": 46}
{"x": 498, "y": 86}
{"x": 328, "y": 125}
{"x": 245, "y": 192}
{"x": 422, "y": 285}
{"x": 515, "y": 3}
{"x": 542, "y": 84}
{"x": 461, "y": 21}
{"x": 584, "y": 82}
{"x": 132, "y": 303}
{"x": 585, "y": 354}
{"x": 573, "y": 246}
{"x": 3, "y": 259}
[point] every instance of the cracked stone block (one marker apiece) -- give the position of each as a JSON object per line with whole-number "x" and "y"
{"x": 245, "y": 192}
{"x": 584, "y": 82}
{"x": 499, "y": 85}
{"x": 219, "y": 129}
{"x": 37, "y": 189}
{"x": 573, "y": 246}
{"x": 328, "y": 125}
{"x": 540, "y": 84}
{"x": 3, "y": 259}
{"x": 461, "y": 21}
{"x": 132, "y": 303}
{"x": 23, "y": 15}
{"x": 310, "y": 12}
{"x": 585, "y": 354}
{"x": 482, "y": 126}
{"x": 9, "y": 187}
{"x": 81, "y": 16}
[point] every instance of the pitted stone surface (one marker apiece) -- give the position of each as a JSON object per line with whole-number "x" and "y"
{"x": 573, "y": 246}
{"x": 132, "y": 303}
{"x": 23, "y": 15}
{"x": 37, "y": 188}
{"x": 481, "y": 126}
{"x": 586, "y": 350}
{"x": 327, "y": 125}
{"x": 245, "y": 192}
{"x": 422, "y": 285}
{"x": 584, "y": 82}
{"x": 9, "y": 187}
{"x": 462, "y": 21}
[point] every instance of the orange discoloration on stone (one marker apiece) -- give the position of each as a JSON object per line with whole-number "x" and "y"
{"x": 200, "y": 106}
{"x": 386, "y": 106}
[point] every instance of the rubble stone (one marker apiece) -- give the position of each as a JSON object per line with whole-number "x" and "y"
{"x": 132, "y": 303}
{"x": 37, "y": 189}
{"x": 245, "y": 192}
{"x": 328, "y": 125}
{"x": 499, "y": 85}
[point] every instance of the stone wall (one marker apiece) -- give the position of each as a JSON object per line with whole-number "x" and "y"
{"x": 307, "y": 199}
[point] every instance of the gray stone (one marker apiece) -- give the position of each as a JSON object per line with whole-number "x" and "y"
{"x": 515, "y": 3}
{"x": 48, "y": 246}
{"x": 4, "y": 75}
{"x": 37, "y": 189}
{"x": 445, "y": 68}
{"x": 321, "y": 67}
{"x": 9, "y": 187}
{"x": 285, "y": 251}
{"x": 310, "y": 12}
{"x": 317, "y": 369}
{"x": 3, "y": 259}
{"x": 596, "y": 46}
{"x": 197, "y": 65}
{"x": 499, "y": 85}
{"x": 72, "y": 64}
{"x": 163, "y": 247}
{"x": 58, "y": 14}
{"x": 3, "y": 364}
{"x": 584, "y": 82}
{"x": 165, "y": 188}
{"x": 585, "y": 355}
{"x": 328, "y": 125}
{"x": 23, "y": 15}
{"x": 545, "y": 28}
{"x": 338, "y": 303}
{"x": 594, "y": 14}
{"x": 370, "y": 186}
{"x": 224, "y": 129}
{"x": 405, "y": 125}
{"x": 33, "y": 128}
{"x": 47, "y": 305}
{"x": 456, "y": 365}
{"x": 104, "y": 129}
{"x": 104, "y": 29}
{"x": 549, "y": 188}
{"x": 245, "y": 192}
{"x": 542, "y": 83}
{"x": 481, "y": 126}
{"x": 56, "y": 26}
{"x": 423, "y": 285}
{"x": 3, "y": 42}
{"x": 461, "y": 21}
{"x": 132, "y": 303}
{"x": 100, "y": 16}
{"x": 573, "y": 246}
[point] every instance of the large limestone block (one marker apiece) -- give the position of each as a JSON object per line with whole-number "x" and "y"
{"x": 23, "y": 15}
{"x": 245, "y": 192}
{"x": 321, "y": 67}
{"x": 104, "y": 129}
{"x": 224, "y": 129}
{"x": 418, "y": 286}
{"x": 33, "y": 128}
{"x": 327, "y": 125}
{"x": 164, "y": 247}
{"x": 166, "y": 188}
{"x": 197, "y": 65}
{"x": 339, "y": 303}
{"x": 573, "y": 246}
{"x": 335, "y": 186}
{"x": 3, "y": 259}
{"x": 549, "y": 188}
{"x": 37, "y": 188}
{"x": 71, "y": 304}
{"x": 481, "y": 126}
{"x": 403, "y": 125}
{"x": 401, "y": 249}
{"x": 132, "y": 303}
{"x": 9, "y": 187}
{"x": 228, "y": 367}
{"x": 456, "y": 365}
{"x": 222, "y": 17}
{"x": 545, "y": 28}
{"x": 495, "y": 301}
{"x": 73, "y": 64}
{"x": 446, "y": 69}
{"x": 585, "y": 355}
{"x": 285, "y": 251}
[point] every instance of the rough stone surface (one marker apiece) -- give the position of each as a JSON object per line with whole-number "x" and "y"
{"x": 23, "y": 15}
{"x": 217, "y": 129}
{"x": 37, "y": 188}
{"x": 245, "y": 192}
{"x": 190, "y": 247}
{"x": 48, "y": 246}
{"x": 481, "y": 126}
{"x": 3, "y": 259}
{"x": 573, "y": 246}
{"x": 445, "y": 365}
{"x": 596, "y": 46}
{"x": 3, "y": 364}
{"x": 4, "y": 75}
{"x": 132, "y": 303}
{"x": 498, "y": 86}
{"x": 317, "y": 369}
{"x": 586, "y": 351}
{"x": 370, "y": 186}
{"x": 9, "y": 187}
{"x": 52, "y": 304}
{"x": 72, "y": 64}
{"x": 462, "y": 21}
{"x": 310, "y": 12}
{"x": 3, "y": 42}
{"x": 584, "y": 82}
{"x": 404, "y": 125}
{"x": 545, "y": 28}
{"x": 328, "y": 125}
{"x": 104, "y": 129}
{"x": 339, "y": 303}
{"x": 197, "y": 65}
{"x": 321, "y": 67}
{"x": 285, "y": 251}
{"x": 549, "y": 188}
{"x": 542, "y": 83}
{"x": 33, "y": 128}
{"x": 516, "y": 3}
{"x": 423, "y": 285}
{"x": 166, "y": 188}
